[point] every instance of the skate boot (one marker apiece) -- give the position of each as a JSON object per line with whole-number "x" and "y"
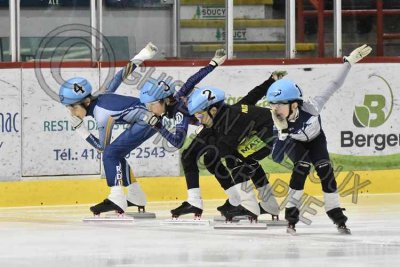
{"x": 105, "y": 206}
{"x": 342, "y": 228}
{"x": 292, "y": 216}
{"x": 263, "y": 211}
{"x": 141, "y": 209}
{"x": 291, "y": 229}
{"x": 239, "y": 211}
{"x": 225, "y": 207}
{"x": 186, "y": 208}
{"x": 248, "y": 199}
{"x": 338, "y": 218}
{"x": 136, "y": 197}
{"x": 268, "y": 203}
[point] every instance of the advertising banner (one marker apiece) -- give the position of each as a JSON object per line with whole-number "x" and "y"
{"x": 50, "y": 146}
{"x": 10, "y": 124}
{"x": 37, "y": 139}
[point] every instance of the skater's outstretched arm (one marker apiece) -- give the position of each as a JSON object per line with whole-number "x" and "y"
{"x": 358, "y": 54}
{"x": 217, "y": 60}
{"x": 258, "y": 92}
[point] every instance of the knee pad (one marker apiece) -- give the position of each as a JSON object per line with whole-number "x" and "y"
{"x": 337, "y": 216}
{"x": 292, "y": 215}
{"x": 299, "y": 175}
{"x": 325, "y": 173}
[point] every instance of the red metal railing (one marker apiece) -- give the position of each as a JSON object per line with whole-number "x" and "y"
{"x": 320, "y": 12}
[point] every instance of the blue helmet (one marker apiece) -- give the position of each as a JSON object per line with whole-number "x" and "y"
{"x": 74, "y": 90}
{"x": 284, "y": 91}
{"x": 203, "y": 98}
{"x": 151, "y": 92}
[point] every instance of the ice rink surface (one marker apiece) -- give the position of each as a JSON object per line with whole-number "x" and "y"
{"x": 56, "y": 236}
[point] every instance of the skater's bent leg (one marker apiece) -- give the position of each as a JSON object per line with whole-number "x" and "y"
{"x": 214, "y": 165}
{"x": 266, "y": 197}
{"x": 114, "y": 154}
{"x": 300, "y": 172}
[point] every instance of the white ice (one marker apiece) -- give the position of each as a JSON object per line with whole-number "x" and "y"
{"x": 56, "y": 236}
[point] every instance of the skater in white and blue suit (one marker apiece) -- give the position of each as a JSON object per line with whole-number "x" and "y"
{"x": 301, "y": 137}
{"x": 108, "y": 109}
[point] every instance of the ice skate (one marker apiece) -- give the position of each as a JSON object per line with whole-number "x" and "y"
{"x": 141, "y": 213}
{"x": 137, "y": 198}
{"x": 239, "y": 211}
{"x": 338, "y": 218}
{"x": 275, "y": 217}
{"x": 342, "y": 229}
{"x": 140, "y": 208}
{"x": 106, "y": 206}
{"x": 291, "y": 229}
{"x": 240, "y": 218}
{"x": 186, "y": 208}
{"x": 225, "y": 207}
{"x": 183, "y": 209}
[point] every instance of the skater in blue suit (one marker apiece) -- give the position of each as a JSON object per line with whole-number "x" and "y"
{"x": 108, "y": 109}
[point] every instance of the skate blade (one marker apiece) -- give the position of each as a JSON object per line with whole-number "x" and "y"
{"x": 185, "y": 222}
{"x": 274, "y": 222}
{"x": 241, "y": 225}
{"x": 244, "y": 218}
{"x": 141, "y": 215}
{"x": 344, "y": 232}
{"x": 109, "y": 218}
{"x": 291, "y": 231}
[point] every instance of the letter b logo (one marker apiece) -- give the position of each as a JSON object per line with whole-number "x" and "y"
{"x": 370, "y": 114}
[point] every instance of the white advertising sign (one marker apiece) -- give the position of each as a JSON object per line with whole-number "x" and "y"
{"x": 359, "y": 119}
{"x": 50, "y": 147}
{"x": 10, "y": 124}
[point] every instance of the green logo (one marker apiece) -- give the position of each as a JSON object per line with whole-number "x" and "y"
{"x": 371, "y": 113}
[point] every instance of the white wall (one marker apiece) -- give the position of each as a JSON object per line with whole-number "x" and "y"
{"x": 41, "y": 127}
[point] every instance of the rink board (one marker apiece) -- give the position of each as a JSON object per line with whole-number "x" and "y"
{"x": 85, "y": 191}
